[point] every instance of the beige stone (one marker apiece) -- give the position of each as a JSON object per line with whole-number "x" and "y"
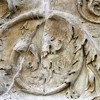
{"x": 49, "y": 49}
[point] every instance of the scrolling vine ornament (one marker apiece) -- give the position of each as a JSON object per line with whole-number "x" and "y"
{"x": 90, "y": 10}
{"x": 64, "y": 57}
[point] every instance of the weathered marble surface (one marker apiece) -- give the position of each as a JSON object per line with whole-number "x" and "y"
{"x": 49, "y": 49}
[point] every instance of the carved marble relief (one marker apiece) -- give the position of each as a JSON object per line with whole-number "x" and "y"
{"x": 89, "y": 9}
{"x": 48, "y": 51}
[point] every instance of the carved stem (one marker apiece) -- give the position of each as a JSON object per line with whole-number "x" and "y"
{"x": 20, "y": 18}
